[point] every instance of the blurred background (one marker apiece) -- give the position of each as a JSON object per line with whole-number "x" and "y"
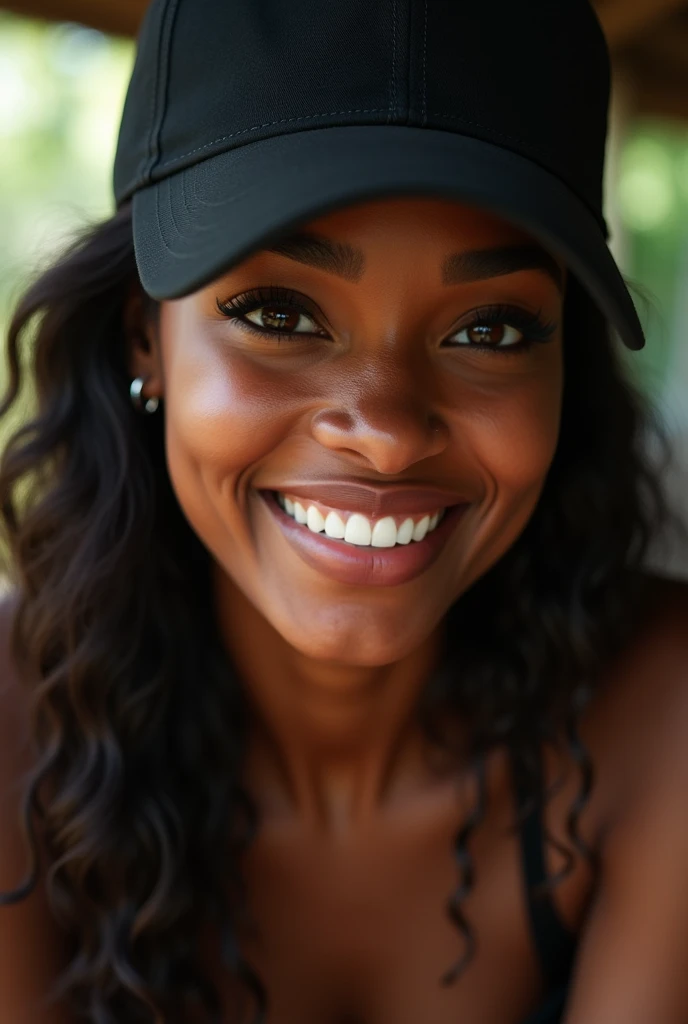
{"x": 64, "y": 67}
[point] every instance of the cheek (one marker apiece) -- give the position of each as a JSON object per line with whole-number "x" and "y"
{"x": 515, "y": 440}
{"x": 218, "y": 415}
{"x": 509, "y": 438}
{"x": 512, "y": 425}
{"x": 224, "y": 413}
{"x": 223, "y": 416}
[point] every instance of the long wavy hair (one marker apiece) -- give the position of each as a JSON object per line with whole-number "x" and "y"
{"x": 138, "y": 718}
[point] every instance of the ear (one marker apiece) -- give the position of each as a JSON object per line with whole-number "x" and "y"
{"x": 143, "y": 341}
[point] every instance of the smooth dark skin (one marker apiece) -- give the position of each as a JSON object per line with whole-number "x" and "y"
{"x": 349, "y": 875}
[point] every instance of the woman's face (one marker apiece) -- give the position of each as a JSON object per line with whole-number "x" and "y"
{"x": 390, "y": 361}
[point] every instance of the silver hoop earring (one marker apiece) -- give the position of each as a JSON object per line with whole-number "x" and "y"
{"x": 150, "y": 405}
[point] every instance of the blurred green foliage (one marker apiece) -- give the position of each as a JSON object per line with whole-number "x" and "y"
{"x": 62, "y": 88}
{"x": 652, "y": 193}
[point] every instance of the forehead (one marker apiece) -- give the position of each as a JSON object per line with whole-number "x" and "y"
{"x": 402, "y": 235}
{"x": 435, "y": 221}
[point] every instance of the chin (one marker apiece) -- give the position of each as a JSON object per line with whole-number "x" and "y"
{"x": 358, "y": 638}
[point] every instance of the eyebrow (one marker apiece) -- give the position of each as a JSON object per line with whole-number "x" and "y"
{"x": 316, "y": 251}
{"x": 348, "y": 262}
{"x": 480, "y": 264}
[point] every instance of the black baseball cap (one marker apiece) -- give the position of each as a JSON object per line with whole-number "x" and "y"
{"x": 244, "y": 118}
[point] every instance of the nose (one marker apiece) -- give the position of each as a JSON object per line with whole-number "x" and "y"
{"x": 384, "y": 418}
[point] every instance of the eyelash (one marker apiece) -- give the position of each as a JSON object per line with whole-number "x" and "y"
{"x": 533, "y": 327}
{"x": 236, "y": 309}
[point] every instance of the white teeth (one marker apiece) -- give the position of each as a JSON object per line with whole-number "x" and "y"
{"x": 384, "y": 533}
{"x": 334, "y": 526}
{"x": 314, "y": 520}
{"x": 358, "y": 531}
{"x": 421, "y": 528}
{"x": 405, "y": 532}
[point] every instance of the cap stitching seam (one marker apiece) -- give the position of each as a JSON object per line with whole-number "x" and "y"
{"x": 168, "y": 246}
{"x": 198, "y": 201}
{"x": 393, "y": 79}
{"x": 145, "y": 163}
{"x": 425, "y": 63}
{"x": 533, "y": 146}
{"x": 408, "y": 42}
{"x": 168, "y": 32}
{"x": 434, "y": 114}
{"x": 176, "y": 233}
{"x": 477, "y": 124}
{"x": 269, "y": 124}
{"x": 298, "y": 171}
{"x": 170, "y": 208}
{"x": 230, "y": 200}
{"x": 157, "y": 115}
{"x": 294, "y": 172}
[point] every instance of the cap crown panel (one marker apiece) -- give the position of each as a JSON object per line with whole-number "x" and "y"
{"x": 213, "y": 75}
{"x": 284, "y": 67}
{"x": 513, "y": 75}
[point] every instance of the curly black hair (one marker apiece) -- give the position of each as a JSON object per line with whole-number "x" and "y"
{"x": 138, "y": 717}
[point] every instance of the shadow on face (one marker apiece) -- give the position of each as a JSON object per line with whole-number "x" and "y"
{"x": 397, "y": 360}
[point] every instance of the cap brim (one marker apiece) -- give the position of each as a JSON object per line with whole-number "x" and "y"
{"x": 195, "y": 224}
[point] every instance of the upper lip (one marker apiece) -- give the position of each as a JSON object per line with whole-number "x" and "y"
{"x": 375, "y": 502}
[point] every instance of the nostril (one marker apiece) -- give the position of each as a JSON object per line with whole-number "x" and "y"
{"x": 332, "y": 426}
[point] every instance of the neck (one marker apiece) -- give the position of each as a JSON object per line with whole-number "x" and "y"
{"x": 332, "y": 744}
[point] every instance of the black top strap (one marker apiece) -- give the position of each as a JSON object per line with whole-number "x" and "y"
{"x": 552, "y": 1010}
{"x": 554, "y": 943}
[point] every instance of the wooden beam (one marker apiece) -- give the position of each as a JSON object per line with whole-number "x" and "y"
{"x": 121, "y": 17}
{"x": 666, "y": 49}
{"x": 664, "y": 99}
{"x": 660, "y": 88}
{"x": 624, "y": 21}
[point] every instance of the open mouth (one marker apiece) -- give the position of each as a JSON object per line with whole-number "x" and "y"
{"x": 356, "y": 529}
{"x": 359, "y": 550}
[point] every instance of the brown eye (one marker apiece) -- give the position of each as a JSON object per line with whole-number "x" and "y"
{"x": 282, "y": 318}
{"x": 494, "y": 335}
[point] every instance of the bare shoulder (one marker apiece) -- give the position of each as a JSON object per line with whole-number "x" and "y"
{"x": 662, "y": 633}
{"x": 651, "y": 673}
{"x": 637, "y": 728}
{"x": 631, "y": 961}
{"x": 26, "y": 926}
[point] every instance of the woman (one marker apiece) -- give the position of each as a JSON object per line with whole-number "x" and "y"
{"x": 335, "y": 688}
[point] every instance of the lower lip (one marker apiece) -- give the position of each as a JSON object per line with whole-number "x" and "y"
{"x": 364, "y": 566}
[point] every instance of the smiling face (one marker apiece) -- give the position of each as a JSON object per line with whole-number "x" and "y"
{"x": 393, "y": 373}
